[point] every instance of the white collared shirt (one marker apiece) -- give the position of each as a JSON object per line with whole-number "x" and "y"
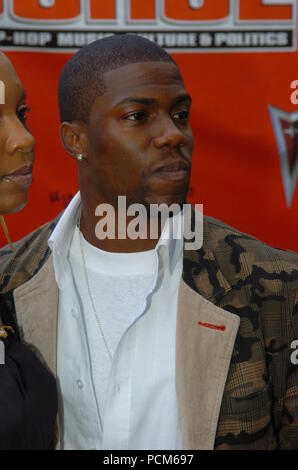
{"x": 128, "y": 402}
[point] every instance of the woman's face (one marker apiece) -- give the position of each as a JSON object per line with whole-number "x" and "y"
{"x": 16, "y": 142}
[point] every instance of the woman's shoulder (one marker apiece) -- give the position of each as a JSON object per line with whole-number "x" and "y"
{"x": 18, "y": 266}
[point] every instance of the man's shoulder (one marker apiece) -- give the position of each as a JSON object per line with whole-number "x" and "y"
{"x": 29, "y": 255}
{"x": 241, "y": 256}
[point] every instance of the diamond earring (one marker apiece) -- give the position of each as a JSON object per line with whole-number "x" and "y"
{"x": 80, "y": 157}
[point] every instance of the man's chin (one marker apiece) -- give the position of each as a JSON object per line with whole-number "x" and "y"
{"x": 167, "y": 200}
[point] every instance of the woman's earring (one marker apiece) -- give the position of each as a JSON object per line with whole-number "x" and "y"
{"x": 80, "y": 157}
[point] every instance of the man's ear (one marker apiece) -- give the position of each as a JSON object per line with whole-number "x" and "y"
{"x": 74, "y": 138}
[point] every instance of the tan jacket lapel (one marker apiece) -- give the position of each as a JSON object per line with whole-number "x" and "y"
{"x": 36, "y": 303}
{"x": 203, "y": 356}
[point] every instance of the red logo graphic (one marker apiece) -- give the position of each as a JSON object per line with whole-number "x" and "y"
{"x": 285, "y": 126}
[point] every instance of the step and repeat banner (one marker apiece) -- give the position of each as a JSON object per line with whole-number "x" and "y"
{"x": 239, "y": 61}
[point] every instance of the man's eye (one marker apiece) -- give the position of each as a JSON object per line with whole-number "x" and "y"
{"x": 181, "y": 116}
{"x": 138, "y": 116}
{"x": 22, "y": 113}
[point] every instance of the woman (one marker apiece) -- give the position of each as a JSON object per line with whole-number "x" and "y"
{"x": 28, "y": 396}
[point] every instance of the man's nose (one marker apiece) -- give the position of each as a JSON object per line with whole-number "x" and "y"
{"x": 18, "y": 138}
{"x": 168, "y": 134}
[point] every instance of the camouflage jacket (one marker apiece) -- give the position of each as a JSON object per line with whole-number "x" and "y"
{"x": 237, "y": 320}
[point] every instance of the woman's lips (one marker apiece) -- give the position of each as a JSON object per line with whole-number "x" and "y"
{"x": 23, "y": 176}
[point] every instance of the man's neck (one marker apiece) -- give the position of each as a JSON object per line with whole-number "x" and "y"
{"x": 115, "y": 243}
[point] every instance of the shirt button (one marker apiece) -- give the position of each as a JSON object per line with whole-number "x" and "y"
{"x": 80, "y": 384}
{"x": 74, "y": 312}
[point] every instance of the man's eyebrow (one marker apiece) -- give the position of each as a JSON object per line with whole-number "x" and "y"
{"x": 182, "y": 98}
{"x": 136, "y": 99}
{"x": 150, "y": 101}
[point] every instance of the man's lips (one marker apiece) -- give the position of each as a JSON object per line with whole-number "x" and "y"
{"x": 177, "y": 170}
{"x": 21, "y": 176}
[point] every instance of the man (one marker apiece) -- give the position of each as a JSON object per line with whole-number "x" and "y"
{"x": 154, "y": 346}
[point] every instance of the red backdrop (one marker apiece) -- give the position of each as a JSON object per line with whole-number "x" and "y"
{"x": 236, "y": 169}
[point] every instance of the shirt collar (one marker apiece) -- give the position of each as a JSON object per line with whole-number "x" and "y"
{"x": 170, "y": 243}
{"x": 171, "y": 239}
{"x": 59, "y": 241}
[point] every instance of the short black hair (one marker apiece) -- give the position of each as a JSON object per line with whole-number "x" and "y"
{"x": 81, "y": 80}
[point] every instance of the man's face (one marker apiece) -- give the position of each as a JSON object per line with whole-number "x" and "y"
{"x": 139, "y": 137}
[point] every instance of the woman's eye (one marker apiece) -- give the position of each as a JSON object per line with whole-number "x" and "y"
{"x": 138, "y": 116}
{"x": 22, "y": 113}
{"x": 181, "y": 116}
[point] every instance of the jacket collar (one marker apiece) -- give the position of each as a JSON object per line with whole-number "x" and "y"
{"x": 201, "y": 270}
